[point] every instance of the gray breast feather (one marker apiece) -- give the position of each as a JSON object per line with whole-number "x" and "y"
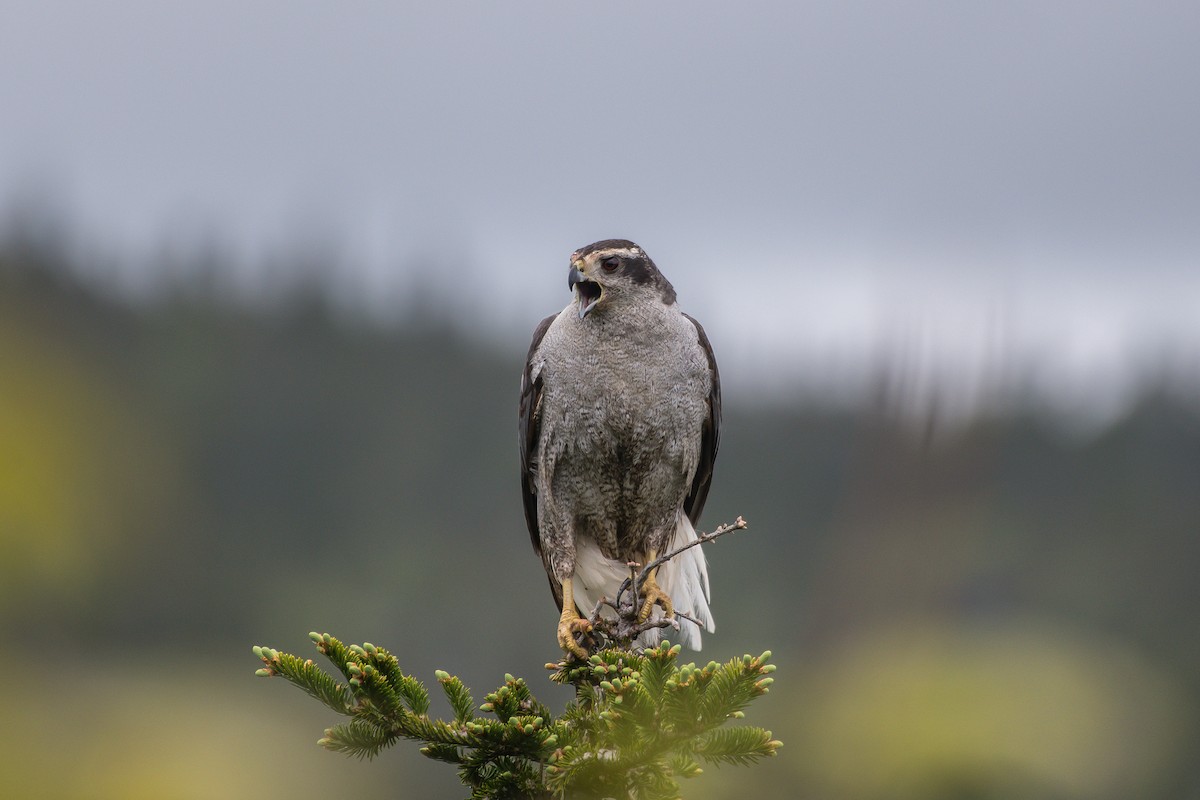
{"x": 621, "y": 418}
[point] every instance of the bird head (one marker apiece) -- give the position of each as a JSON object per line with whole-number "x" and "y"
{"x": 614, "y": 270}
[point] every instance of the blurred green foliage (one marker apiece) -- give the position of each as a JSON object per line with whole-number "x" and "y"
{"x": 1008, "y": 611}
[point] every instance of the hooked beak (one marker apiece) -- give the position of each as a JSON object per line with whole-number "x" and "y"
{"x": 587, "y": 291}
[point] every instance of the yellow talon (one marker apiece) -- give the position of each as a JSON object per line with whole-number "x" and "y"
{"x": 567, "y": 628}
{"x": 652, "y": 593}
{"x": 570, "y": 624}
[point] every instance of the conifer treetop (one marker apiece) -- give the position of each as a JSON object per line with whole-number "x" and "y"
{"x": 640, "y": 723}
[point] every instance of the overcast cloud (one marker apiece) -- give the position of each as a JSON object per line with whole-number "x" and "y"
{"x": 995, "y": 180}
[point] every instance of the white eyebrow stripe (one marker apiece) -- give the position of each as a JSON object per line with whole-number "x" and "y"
{"x": 613, "y": 251}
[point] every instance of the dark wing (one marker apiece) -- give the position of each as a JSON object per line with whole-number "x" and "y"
{"x": 529, "y": 424}
{"x": 693, "y": 505}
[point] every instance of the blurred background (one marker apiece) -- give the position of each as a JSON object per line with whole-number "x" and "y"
{"x": 267, "y": 277}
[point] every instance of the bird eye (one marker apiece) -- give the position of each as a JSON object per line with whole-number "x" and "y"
{"x": 610, "y": 264}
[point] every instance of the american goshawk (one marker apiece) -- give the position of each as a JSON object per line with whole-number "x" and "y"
{"x": 620, "y": 413}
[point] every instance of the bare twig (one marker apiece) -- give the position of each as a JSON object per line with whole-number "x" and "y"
{"x": 737, "y": 525}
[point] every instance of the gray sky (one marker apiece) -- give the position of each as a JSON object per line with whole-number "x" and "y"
{"x": 965, "y": 183}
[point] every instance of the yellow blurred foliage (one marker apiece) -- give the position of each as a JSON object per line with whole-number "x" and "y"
{"x": 925, "y": 710}
{"x": 116, "y": 733}
{"x": 76, "y": 468}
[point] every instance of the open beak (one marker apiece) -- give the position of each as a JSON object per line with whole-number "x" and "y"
{"x": 587, "y": 291}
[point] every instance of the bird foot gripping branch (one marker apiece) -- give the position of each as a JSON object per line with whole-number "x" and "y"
{"x": 575, "y": 634}
{"x": 618, "y": 623}
{"x": 652, "y": 594}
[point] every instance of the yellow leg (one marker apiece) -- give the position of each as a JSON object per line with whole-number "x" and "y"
{"x": 652, "y": 593}
{"x": 570, "y": 623}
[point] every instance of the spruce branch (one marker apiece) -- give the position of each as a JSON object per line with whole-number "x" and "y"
{"x": 640, "y": 723}
{"x": 307, "y": 675}
{"x": 739, "y": 745}
{"x": 360, "y": 737}
{"x": 458, "y": 695}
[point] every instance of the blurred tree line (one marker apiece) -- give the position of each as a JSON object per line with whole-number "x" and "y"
{"x": 1006, "y": 611}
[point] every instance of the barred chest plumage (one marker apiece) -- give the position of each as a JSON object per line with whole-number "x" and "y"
{"x": 624, "y": 401}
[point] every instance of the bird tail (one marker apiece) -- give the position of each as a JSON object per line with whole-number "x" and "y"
{"x": 685, "y": 579}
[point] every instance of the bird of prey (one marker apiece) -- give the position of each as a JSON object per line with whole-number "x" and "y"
{"x": 619, "y": 418}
